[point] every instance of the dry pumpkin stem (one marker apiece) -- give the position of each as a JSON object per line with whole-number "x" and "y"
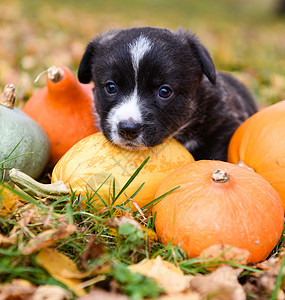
{"x": 220, "y": 176}
{"x": 8, "y": 96}
{"x": 55, "y": 74}
{"x": 53, "y": 191}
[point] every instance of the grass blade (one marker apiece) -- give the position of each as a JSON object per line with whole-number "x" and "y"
{"x": 131, "y": 179}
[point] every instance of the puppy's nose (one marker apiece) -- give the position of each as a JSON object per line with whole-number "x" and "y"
{"x": 129, "y": 130}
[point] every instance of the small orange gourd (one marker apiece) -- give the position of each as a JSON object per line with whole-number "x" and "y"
{"x": 219, "y": 203}
{"x": 65, "y": 110}
{"x": 259, "y": 143}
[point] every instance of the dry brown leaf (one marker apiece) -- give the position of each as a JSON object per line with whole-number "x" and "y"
{"x": 224, "y": 253}
{"x": 222, "y": 284}
{"x": 61, "y": 268}
{"x": 268, "y": 279}
{"x": 51, "y": 292}
{"x": 48, "y": 238}
{"x": 27, "y": 217}
{"x": 93, "y": 250}
{"x": 11, "y": 239}
{"x": 99, "y": 294}
{"x": 18, "y": 289}
{"x": 119, "y": 221}
{"x": 260, "y": 283}
{"x": 149, "y": 234}
{"x": 166, "y": 274}
{"x": 182, "y": 296}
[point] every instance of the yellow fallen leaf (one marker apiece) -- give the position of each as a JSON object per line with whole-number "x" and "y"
{"x": 164, "y": 273}
{"x": 59, "y": 265}
{"x": 48, "y": 238}
{"x": 149, "y": 234}
{"x": 9, "y": 200}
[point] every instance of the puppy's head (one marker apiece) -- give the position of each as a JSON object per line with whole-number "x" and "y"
{"x": 145, "y": 82}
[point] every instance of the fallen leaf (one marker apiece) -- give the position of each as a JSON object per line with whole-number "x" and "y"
{"x": 166, "y": 274}
{"x": 27, "y": 217}
{"x": 99, "y": 294}
{"x": 9, "y": 201}
{"x": 182, "y": 296}
{"x": 222, "y": 284}
{"x": 149, "y": 234}
{"x": 51, "y": 292}
{"x": 261, "y": 283}
{"x": 18, "y": 289}
{"x": 267, "y": 280}
{"x": 61, "y": 268}
{"x": 93, "y": 250}
{"x": 48, "y": 238}
{"x": 11, "y": 239}
{"x": 217, "y": 253}
{"x": 119, "y": 221}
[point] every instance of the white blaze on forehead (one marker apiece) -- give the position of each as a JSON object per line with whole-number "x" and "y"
{"x": 128, "y": 109}
{"x": 138, "y": 49}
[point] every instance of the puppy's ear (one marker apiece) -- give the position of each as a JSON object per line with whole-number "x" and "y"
{"x": 206, "y": 62}
{"x": 203, "y": 55}
{"x": 85, "y": 67}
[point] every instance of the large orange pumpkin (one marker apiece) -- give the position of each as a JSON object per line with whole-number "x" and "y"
{"x": 65, "y": 110}
{"x": 259, "y": 143}
{"x": 219, "y": 203}
{"x": 87, "y": 165}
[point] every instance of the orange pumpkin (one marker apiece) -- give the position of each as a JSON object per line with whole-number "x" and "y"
{"x": 219, "y": 203}
{"x": 95, "y": 162}
{"x": 65, "y": 110}
{"x": 259, "y": 143}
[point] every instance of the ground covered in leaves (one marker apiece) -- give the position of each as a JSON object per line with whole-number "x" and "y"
{"x": 68, "y": 249}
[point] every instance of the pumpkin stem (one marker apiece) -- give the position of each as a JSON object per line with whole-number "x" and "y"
{"x": 220, "y": 176}
{"x": 53, "y": 191}
{"x": 244, "y": 165}
{"x": 8, "y": 96}
{"x": 55, "y": 74}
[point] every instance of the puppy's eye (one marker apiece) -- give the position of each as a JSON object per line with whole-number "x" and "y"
{"x": 111, "y": 87}
{"x": 165, "y": 92}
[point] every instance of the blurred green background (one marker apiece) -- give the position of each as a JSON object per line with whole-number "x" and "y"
{"x": 246, "y": 38}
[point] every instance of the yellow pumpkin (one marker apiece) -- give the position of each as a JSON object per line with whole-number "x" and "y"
{"x": 87, "y": 165}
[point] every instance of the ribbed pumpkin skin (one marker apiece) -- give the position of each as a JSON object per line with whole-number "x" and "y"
{"x": 260, "y": 143}
{"x": 64, "y": 109}
{"x": 245, "y": 212}
{"x": 88, "y": 163}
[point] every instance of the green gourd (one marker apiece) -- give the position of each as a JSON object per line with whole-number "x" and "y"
{"x": 23, "y": 143}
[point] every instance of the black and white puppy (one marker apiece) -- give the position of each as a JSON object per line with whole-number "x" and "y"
{"x": 153, "y": 83}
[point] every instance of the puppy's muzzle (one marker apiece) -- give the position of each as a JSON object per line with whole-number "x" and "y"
{"x": 129, "y": 130}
